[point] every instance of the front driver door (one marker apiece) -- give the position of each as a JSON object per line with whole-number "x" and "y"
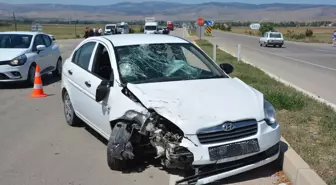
{"x": 100, "y": 70}
{"x": 41, "y": 56}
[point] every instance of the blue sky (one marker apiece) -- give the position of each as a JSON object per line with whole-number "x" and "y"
{"x": 106, "y": 2}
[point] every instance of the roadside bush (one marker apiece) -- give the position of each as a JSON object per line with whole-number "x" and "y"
{"x": 309, "y": 33}
{"x": 131, "y": 30}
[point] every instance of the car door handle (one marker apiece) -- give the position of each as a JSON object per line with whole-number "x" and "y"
{"x": 70, "y": 72}
{"x": 87, "y": 84}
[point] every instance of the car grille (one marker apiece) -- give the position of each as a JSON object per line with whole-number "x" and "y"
{"x": 218, "y": 134}
{"x": 3, "y": 76}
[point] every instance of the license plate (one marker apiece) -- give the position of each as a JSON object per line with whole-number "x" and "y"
{"x": 234, "y": 149}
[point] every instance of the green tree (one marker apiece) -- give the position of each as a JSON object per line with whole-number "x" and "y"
{"x": 265, "y": 27}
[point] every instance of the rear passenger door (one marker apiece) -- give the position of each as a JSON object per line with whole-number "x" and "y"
{"x": 77, "y": 72}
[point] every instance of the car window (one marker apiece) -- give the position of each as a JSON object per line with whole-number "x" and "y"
{"x": 38, "y": 41}
{"x": 101, "y": 63}
{"x": 164, "y": 62}
{"x": 265, "y": 35}
{"x": 15, "y": 41}
{"x": 193, "y": 60}
{"x": 47, "y": 40}
{"x": 275, "y": 35}
{"x": 85, "y": 54}
{"x": 75, "y": 56}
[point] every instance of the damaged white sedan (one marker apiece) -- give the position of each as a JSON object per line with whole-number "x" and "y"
{"x": 162, "y": 95}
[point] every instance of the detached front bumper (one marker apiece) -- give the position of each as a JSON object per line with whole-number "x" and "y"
{"x": 13, "y": 73}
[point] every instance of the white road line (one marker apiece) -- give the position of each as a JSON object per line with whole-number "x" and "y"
{"x": 173, "y": 179}
{"x": 297, "y": 60}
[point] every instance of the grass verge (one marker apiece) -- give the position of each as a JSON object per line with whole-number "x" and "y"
{"x": 308, "y": 125}
{"x": 63, "y": 31}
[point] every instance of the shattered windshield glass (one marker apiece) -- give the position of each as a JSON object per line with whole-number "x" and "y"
{"x": 164, "y": 62}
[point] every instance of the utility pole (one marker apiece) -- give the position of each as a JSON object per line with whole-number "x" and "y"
{"x": 76, "y": 28}
{"x": 14, "y": 21}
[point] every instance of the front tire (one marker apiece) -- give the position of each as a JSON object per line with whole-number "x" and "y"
{"x": 119, "y": 148}
{"x": 58, "y": 71}
{"x": 69, "y": 113}
{"x": 31, "y": 75}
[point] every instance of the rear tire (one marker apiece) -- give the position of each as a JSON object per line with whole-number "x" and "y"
{"x": 69, "y": 113}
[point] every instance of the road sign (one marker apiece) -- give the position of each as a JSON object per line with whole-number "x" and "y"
{"x": 255, "y": 26}
{"x": 209, "y": 23}
{"x": 200, "y": 21}
{"x": 36, "y": 27}
{"x": 208, "y": 29}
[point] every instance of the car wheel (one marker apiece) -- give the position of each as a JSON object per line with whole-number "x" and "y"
{"x": 280, "y": 46}
{"x": 117, "y": 143}
{"x": 58, "y": 70}
{"x": 69, "y": 113}
{"x": 31, "y": 75}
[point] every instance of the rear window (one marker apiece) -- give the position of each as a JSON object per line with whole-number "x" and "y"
{"x": 275, "y": 35}
{"x": 150, "y": 27}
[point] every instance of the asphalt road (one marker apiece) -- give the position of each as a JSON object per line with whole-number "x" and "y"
{"x": 37, "y": 147}
{"x": 312, "y": 67}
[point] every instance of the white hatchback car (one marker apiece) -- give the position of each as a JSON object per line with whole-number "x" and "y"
{"x": 272, "y": 38}
{"x": 21, "y": 51}
{"x": 163, "y": 95}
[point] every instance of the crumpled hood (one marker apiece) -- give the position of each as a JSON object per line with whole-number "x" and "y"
{"x": 196, "y": 104}
{"x": 10, "y": 54}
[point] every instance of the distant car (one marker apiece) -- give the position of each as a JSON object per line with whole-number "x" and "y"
{"x": 132, "y": 92}
{"x": 272, "y": 39}
{"x": 165, "y": 31}
{"x": 21, "y": 51}
{"x": 160, "y": 30}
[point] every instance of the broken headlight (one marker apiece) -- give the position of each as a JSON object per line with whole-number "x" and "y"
{"x": 270, "y": 115}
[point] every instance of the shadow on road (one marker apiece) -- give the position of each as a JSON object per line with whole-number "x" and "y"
{"x": 47, "y": 79}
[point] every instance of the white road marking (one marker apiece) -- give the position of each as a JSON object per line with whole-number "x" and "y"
{"x": 290, "y": 58}
{"x": 173, "y": 179}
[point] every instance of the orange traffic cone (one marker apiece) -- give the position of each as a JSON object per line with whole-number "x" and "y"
{"x": 38, "y": 87}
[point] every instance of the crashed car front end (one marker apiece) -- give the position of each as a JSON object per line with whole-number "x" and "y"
{"x": 191, "y": 118}
{"x": 212, "y": 152}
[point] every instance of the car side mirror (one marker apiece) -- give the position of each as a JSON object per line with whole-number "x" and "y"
{"x": 40, "y": 48}
{"x": 103, "y": 89}
{"x": 227, "y": 68}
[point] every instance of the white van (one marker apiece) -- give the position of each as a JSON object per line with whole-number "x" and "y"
{"x": 110, "y": 29}
{"x": 151, "y": 28}
{"x": 122, "y": 28}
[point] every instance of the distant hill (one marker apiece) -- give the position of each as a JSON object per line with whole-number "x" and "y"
{"x": 173, "y": 11}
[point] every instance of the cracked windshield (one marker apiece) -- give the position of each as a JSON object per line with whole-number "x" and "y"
{"x": 164, "y": 62}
